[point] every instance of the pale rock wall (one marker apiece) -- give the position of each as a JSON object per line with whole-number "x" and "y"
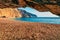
{"x": 9, "y": 13}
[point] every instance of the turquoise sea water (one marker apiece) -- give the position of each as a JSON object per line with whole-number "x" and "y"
{"x": 41, "y": 17}
{"x": 50, "y": 20}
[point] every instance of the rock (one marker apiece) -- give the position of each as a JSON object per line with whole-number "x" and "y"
{"x": 9, "y": 13}
{"x": 22, "y": 3}
{"x": 55, "y": 9}
{"x": 27, "y": 14}
{"x": 38, "y": 5}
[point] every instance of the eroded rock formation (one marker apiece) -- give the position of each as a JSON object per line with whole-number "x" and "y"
{"x": 9, "y": 13}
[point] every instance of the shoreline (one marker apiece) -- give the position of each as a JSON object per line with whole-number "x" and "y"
{"x": 14, "y": 30}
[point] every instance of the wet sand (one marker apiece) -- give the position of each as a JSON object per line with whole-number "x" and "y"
{"x": 17, "y": 30}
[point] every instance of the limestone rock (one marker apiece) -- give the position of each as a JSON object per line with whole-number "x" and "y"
{"x": 9, "y": 13}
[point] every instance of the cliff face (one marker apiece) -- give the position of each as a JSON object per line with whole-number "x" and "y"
{"x": 52, "y": 7}
{"x": 55, "y": 9}
{"x": 8, "y": 3}
{"x": 9, "y": 13}
{"x": 24, "y": 3}
{"x": 8, "y": 9}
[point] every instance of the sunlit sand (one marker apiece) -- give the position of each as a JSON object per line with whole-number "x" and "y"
{"x": 17, "y": 30}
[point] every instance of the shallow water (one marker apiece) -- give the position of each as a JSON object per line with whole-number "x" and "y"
{"x": 50, "y": 20}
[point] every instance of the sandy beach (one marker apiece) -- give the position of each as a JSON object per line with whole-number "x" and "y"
{"x": 17, "y": 30}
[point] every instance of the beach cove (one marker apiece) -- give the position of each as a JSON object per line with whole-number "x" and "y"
{"x": 12, "y": 29}
{"x": 29, "y": 20}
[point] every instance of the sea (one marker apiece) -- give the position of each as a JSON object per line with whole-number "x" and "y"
{"x": 49, "y": 20}
{"x": 42, "y": 17}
